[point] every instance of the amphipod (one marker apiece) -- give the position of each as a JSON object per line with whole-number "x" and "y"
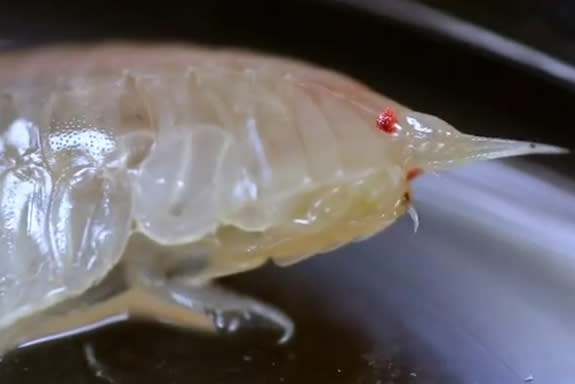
{"x": 134, "y": 175}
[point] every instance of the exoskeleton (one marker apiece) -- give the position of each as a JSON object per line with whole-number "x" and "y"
{"x": 175, "y": 165}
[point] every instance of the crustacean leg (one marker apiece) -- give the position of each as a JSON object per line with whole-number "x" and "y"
{"x": 97, "y": 308}
{"x": 140, "y": 288}
{"x": 189, "y": 289}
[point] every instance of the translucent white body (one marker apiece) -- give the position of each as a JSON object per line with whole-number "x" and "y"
{"x": 232, "y": 157}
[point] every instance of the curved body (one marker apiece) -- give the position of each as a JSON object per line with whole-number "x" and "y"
{"x": 228, "y": 157}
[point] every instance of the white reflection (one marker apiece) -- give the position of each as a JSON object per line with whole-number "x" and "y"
{"x": 505, "y": 200}
{"x": 426, "y": 17}
{"x": 417, "y": 125}
{"x": 19, "y": 136}
{"x": 497, "y": 266}
{"x": 489, "y": 280}
{"x": 484, "y": 291}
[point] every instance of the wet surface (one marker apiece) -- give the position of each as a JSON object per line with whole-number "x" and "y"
{"x": 547, "y": 25}
{"x": 462, "y": 301}
{"x": 323, "y": 352}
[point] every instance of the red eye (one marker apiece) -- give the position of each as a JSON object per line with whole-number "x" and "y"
{"x": 386, "y": 121}
{"x": 413, "y": 173}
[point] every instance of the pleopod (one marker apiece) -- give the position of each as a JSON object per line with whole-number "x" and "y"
{"x": 133, "y": 175}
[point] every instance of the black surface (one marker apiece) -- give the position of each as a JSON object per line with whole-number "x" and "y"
{"x": 422, "y": 71}
{"x": 476, "y": 93}
{"x": 548, "y": 25}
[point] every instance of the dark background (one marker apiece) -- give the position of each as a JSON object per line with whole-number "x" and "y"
{"x": 475, "y": 91}
{"x": 424, "y": 71}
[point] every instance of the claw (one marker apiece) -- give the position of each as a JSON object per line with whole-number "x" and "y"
{"x": 414, "y": 217}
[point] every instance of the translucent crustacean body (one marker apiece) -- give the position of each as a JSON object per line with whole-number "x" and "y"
{"x": 178, "y": 165}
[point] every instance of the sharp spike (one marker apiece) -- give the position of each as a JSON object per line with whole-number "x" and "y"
{"x": 437, "y": 145}
{"x": 462, "y": 149}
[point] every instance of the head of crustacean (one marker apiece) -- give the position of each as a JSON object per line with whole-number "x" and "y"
{"x": 365, "y": 183}
{"x": 408, "y": 144}
{"x": 421, "y": 143}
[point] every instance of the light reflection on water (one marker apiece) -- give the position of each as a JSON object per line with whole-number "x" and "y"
{"x": 485, "y": 285}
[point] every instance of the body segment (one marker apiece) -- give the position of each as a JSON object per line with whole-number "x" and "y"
{"x": 223, "y": 157}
